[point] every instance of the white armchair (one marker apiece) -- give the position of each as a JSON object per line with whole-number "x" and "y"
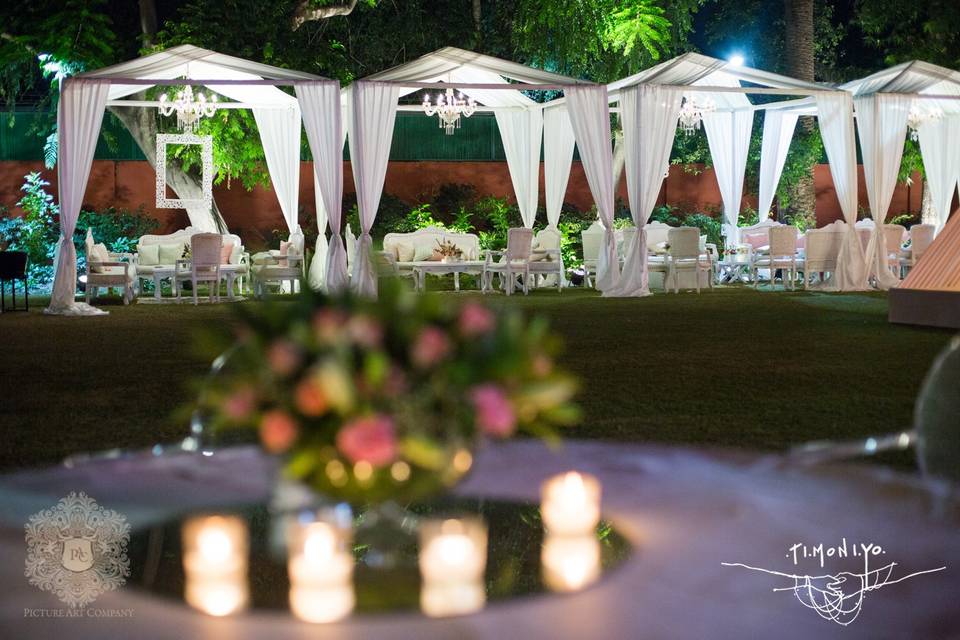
{"x": 782, "y": 256}
{"x": 515, "y": 262}
{"x": 108, "y": 270}
{"x": 921, "y": 237}
{"x": 592, "y": 241}
{"x": 546, "y": 264}
{"x": 203, "y": 266}
{"x": 686, "y": 255}
{"x": 822, "y": 252}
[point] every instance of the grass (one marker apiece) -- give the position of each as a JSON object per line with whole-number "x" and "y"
{"x": 732, "y": 367}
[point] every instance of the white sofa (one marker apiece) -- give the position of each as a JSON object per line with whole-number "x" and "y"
{"x": 416, "y": 246}
{"x": 170, "y": 247}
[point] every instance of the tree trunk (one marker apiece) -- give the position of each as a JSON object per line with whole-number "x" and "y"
{"x": 927, "y": 214}
{"x": 148, "y": 21}
{"x": 477, "y": 20}
{"x": 800, "y": 64}
{"x": 142, "y": 125}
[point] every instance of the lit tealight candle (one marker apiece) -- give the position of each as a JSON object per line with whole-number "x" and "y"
{"x": 217, "y": 595}
{"x": 570, "y": 563}
{"x": 570, "y": 504}
{"x": 453, "y": 550}
{"x": 215, "y": 546}
{"x": 443, "y": 599}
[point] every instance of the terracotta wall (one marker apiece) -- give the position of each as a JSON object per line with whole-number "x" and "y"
{"x": 253, "y": 214}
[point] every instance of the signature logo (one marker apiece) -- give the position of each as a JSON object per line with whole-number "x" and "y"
{"x": 77, "y": 550}
{"x": 837, "y": 597}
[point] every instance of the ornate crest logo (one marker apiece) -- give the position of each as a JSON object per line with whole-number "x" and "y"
{"x": 77, "y": 550}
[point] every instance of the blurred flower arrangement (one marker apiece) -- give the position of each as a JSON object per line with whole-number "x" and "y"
{"x": 377, "y": 400}
{"x": 448, "y": 251}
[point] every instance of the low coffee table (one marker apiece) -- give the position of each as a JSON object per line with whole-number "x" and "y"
{"x": 437, "y": 268}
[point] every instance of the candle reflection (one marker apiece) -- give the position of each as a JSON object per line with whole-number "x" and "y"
{"x": 320, "y": 566}
{"x": 570, "y": 563}
{"x": 453, "y": 558}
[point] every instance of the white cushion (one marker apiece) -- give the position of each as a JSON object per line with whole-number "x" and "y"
{"x": 100, "y": 254}
{"x": 405, "y": 251}
{"x": 422, "y": 252}
{"x": 236, "y": 253}
{"x": 148, "y": 254}
{"x": 170, "y": 253}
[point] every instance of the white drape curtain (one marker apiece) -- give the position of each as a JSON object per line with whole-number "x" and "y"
{"x": 79, "y": 117}
{"x": 558, "y": 145}
{"x": 728, "y": 135}
{"x": 318, "y": 264}
{"x": 835, "y": 116}
{"x": 939, "y": 144}
{"x": 882, "y": 126}
{"x": 373, "y": 110}
{"x": 521, "y": 132}
{"x": 649, "y": 116}
{"x": 590, "y": 118}
{"x": 280, "y": 135}
{"x": 320, "y": 104}
{"x": 778, "y": 128}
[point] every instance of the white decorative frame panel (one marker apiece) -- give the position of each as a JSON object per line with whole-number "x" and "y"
{"x": 206, "y": 154}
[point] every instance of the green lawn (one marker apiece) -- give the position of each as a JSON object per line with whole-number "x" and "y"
{"x": 732, "y": 367}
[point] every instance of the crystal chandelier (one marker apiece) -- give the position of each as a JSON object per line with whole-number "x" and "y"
{"x": 189, "y": 109}
{"x": 918, "y": 117}
{"x": 691, "y": 114}
{"x": 449, "y": 108}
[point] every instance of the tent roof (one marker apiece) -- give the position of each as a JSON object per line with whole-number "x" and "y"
{"x": 915, "y": 77}
{"x": 194, "y": 63}
{"x": 459, "y": 66}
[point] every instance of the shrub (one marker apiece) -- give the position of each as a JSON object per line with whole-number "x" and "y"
{"x": 36, "y": 232}
{"x": 451, "y": 198}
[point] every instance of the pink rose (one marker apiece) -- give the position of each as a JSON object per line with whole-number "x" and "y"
{"x": 365, "y": 331}
{"x": 327, "y": 324}
{"x": 476, "y": 319}
{"x": 240, "y": 403}
{"x": 370, "y": 439}
{"x": 495, "y": 415}
{"x": 284, "y": 357}
{"x": 278, "y": 431}
{"x": 430, "y": 347}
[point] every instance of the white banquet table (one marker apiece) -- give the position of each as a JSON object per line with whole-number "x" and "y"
{"x": 685, "y": 511}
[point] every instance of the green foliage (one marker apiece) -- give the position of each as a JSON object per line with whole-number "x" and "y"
{"x": 806, "y": 150}
{"x": 419, "y": 217}
{"x": 903, "y": 31}
{"x": 601, "y": 39}
{"x": 452, "y": 198}
{"x": 709, "y": 225}
{"x": 118, "y": 229}
{"x": 35, "y": 232}
{"x": 461, "y": 222}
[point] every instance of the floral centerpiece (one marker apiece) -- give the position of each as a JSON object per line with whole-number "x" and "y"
{"x": 377, "y": 400}
{"x": 448, "y": 251}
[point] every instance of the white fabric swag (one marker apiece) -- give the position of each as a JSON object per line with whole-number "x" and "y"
{"x": 939, "y": 141}
{"x": 79, "y": 117}
{"x": 558, "y": 145}
{"x": 320, "y": 103}
{"x": 728, "y": 135}
{"x": 521, "y": 132}
{"x": 373, "y": 110}
{"x": 590, "y": 118}
{"x": 835, "y": 116}
{"x": 778, "y": 128}
{"x": 280, "y": 135}
{"x": 882, "y": 126}
{"x": 649, "y": 114}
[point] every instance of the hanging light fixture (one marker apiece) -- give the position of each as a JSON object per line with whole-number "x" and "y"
{"x": 189, "y": 109}
{"x": 691, "y": 114}
{"x": 919, "y": 117}
{"x": 449, "y": 108}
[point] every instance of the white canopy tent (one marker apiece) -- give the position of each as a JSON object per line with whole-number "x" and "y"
{"x": 253, "y": 85}
{"x": 649, "y": 105}
{"x": 496, "y": 84}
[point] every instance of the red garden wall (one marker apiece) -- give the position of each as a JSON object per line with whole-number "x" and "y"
{"x": 253, "y": 214}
